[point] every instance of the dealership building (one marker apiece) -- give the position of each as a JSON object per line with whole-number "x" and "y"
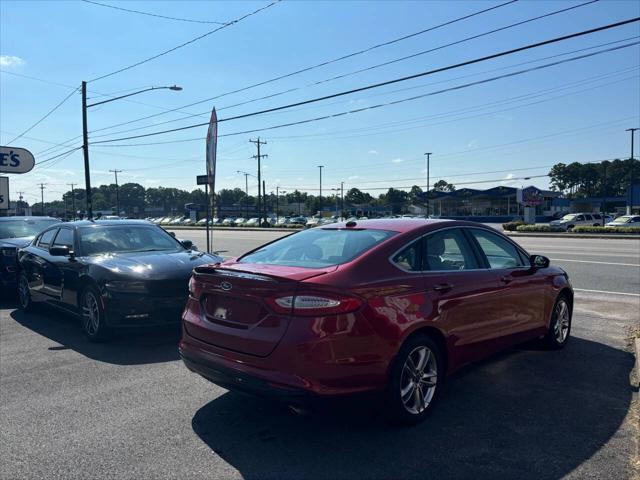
{"x": 504, "y": 202}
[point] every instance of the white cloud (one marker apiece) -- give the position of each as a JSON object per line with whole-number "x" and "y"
{"x": 9, "y": 61}
{"x": 473, "y": 143}
{"x": 353, "y": 177}
{"x": 397, "y": 160}
{"x": 373, "y": 152}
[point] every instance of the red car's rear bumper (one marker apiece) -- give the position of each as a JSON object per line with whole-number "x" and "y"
{"x": 328, "y": 357}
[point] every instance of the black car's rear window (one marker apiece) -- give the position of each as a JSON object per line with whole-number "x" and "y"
{"x": 318, "y": 247}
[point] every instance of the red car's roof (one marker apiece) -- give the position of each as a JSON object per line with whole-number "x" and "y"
{"x": 400, "y": 225}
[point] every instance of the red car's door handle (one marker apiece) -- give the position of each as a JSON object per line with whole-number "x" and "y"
{"x": 443, "y": 287}
{"x": 506, "y": 279}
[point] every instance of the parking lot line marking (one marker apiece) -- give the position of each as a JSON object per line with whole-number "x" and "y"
{"x": 608, "y": 293}
{"x": 593, "y": 261}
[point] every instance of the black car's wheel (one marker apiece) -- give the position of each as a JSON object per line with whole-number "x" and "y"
{"x": 24, "y": 295}
{"x": 414, "y": 381}
{"x": 560, "y": 325}
{"x": 93, "y": 317}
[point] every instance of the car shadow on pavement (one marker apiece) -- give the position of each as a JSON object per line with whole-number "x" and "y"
{"x": 527, "y": 413}
{"x": 125, "y": 348}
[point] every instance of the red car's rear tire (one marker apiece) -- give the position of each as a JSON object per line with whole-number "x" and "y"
{"x": 414, "y": 380}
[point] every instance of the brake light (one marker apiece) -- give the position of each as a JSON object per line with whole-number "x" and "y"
{"x": 311, "y": 305}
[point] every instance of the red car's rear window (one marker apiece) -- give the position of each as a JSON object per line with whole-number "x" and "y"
{"x": 318, "y": 247}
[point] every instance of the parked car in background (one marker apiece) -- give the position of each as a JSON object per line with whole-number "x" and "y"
{"x": 229, "y": 221}
{"x": 574, "y": 219}
{"x": 252, "y": 222}
{"x": 297, "y": 221}
{"x": 15, "y": 233}
{"x": 625, "y": 221}
{"x": 239, "y": 221}
{"x": 381, "y": 306}
{"x": 113, "y": 275}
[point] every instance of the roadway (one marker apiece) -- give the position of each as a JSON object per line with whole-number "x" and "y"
{"x": 130, "y": 409}
{"x": 604, "y": 265}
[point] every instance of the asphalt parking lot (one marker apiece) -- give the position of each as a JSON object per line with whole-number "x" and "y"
{"x": 130, "y": 409}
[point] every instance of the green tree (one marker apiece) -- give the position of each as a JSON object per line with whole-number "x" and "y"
{"x": 443, "y": 186}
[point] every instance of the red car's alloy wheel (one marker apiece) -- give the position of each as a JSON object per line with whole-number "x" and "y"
{"x": 418, "y": 380}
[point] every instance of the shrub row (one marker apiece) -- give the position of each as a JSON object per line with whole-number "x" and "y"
{"x": 578, "y": 229}
{"x": 587, "y": 229}
{"x": 512, "y": 226}
{"x": 538, "y": 228}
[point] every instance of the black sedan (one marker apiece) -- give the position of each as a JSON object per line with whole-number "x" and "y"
{"x": 129, "y": 273}
{"x": 15, "y": 233}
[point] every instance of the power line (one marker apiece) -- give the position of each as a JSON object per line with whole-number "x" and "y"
{"x": 153, "y": 14}
{"x": 328, "y": 62}
{"x": 340, "y": 102}
{"x": 173, "y": 49}
{"x": 46, "y": 115}
{"x": 457, "y": 42}
{"x": 375, "y": 86}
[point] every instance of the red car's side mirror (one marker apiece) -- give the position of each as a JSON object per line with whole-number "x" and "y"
{"x": 539, "y": 261}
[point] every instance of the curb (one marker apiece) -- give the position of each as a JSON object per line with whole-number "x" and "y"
{"x": 630, "y": 236}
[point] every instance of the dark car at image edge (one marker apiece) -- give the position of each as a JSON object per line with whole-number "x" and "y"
{"x": 16, "y": 233}
{"x": 388, "y": 307}
{"x": 113, "y": 275}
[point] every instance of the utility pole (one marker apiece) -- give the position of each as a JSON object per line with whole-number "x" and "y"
{"x": 19, "y": 202}
{"x": 73, "y": 199}
{"x": 85, "y": 151}
{"x": 604, "y": 192}
{"x": 630, "y": 204}
{"x": 257, "y": 143}
{"x": 264, "y": 200}
{"x": 278, "y": 203}
{"x": 42, "y": 187}
{"x": 320, "y": 199}
{"x": 116, "y": 172}
{"x": 341, "y": 199}
{"x": 428, "y": 154}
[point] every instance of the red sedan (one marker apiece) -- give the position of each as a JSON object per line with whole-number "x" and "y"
{"x": 388, "y": 306}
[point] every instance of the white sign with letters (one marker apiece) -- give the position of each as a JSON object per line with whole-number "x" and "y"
{"x": 4, "y": 193}
{"x": 15, "y": 160}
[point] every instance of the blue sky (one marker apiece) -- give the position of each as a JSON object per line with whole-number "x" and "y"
{"x": 576, "y": 111}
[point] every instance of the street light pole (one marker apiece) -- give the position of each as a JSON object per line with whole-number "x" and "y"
{"x": 116, "y": 172}
{"x": 320, "y": 198}
{"x": 630, "y": 204}
{"x": 85, "y": 135}
{"x": 428, "y": 154}
{"x": 341, "y": 199}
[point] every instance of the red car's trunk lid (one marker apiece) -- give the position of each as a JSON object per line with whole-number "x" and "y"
{"x": 234, "y": 313}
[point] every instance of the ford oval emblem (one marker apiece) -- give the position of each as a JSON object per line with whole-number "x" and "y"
{"x": 226, "y": 286}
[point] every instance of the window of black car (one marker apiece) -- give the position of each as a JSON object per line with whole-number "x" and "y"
{"x": 500, "y": 252}
{"x": 448, "y": 250}
{"x": 410, "y": 258}
{"x": 46, "y": 238}
{"x": 596, "y": 216}
{"x": 24, "y": 227}
{"x": 99, "y": 240}
{"x": 64, "y": 238}
{"x": 318, "y": 247}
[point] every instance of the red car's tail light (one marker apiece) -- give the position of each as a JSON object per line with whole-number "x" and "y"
{"x": 194, "y": 288}
{"x": 311, "y": 304}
